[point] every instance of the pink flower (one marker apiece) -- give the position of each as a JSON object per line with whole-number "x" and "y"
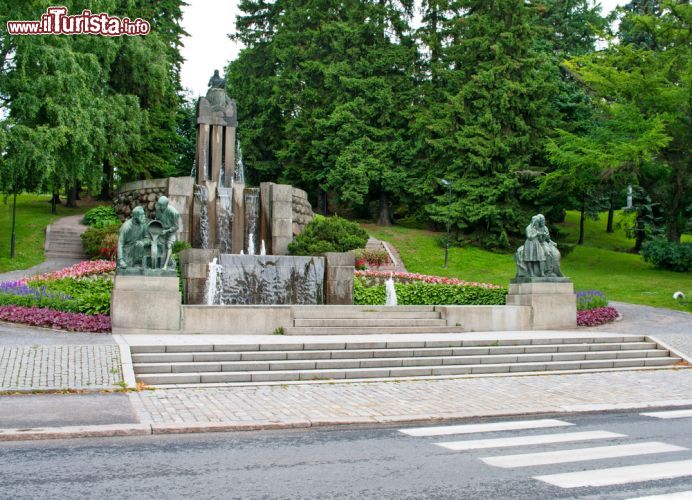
{"x": 84, "y": 268}
{"x": 50, "y": 318}
{"x": 598, "y": 316}
{"x": 408, "y": 277}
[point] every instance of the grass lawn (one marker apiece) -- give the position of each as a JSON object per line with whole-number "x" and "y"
{"x": 595, "y": 265}
{"x": 33, "y": 215}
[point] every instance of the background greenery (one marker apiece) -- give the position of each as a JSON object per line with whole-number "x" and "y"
{"x": 621, "y": 276}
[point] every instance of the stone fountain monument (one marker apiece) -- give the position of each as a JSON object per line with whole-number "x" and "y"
{"x": 237, "y": 232}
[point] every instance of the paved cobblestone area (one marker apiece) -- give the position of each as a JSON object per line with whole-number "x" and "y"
{"x": 379, "y": 401}
{"x": 59, "y": 367}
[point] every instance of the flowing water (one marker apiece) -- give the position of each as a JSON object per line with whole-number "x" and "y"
{"x": 224, "y": 219}
{"x": 213, "y": 284}
{"x": 252, "y": 214}
{"x": 391, "y": 292}
{"x": 201, "y": 201}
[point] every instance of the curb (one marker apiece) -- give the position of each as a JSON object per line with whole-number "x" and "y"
{"x": 113, "y": 430}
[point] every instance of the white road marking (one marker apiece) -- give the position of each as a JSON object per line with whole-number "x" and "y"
{"x": 680, "y": 495}
{"x": 580, "y": 455}
{"x": 478, "y": 444}
{"x": 620, "y": 475}
{"x": 447, "y": 430}
{"x": 669, "y": 414}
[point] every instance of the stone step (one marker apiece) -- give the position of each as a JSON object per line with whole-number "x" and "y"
{"x": 229, "y": 377}
{"x": 54, "y": 245}
{"x": 328, "y": 364}
{"x": 328, "y": 309}
{"x": 65, "y": 255}
{"x": 343, "y": 353}
{"x": 289, "y": 344}
{"x": 319, "y": 313}
{"x": 369, "y": 322}
{"x": 369, "y": 330}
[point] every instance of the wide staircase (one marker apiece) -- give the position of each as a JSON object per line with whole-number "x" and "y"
{"x": 366, "y": 320}
{"x": 63, "y": 238}
{"x": 290, "y": 360}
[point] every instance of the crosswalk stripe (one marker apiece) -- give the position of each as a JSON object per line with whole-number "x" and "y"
{"x": 477, "y": 444}
{"x": 447, "y": 430}
{"x": 620, "y": 475}
{"x": 669, "y": 414}
{"x": 580, "y": 455}
{"x": 680, "y": 495}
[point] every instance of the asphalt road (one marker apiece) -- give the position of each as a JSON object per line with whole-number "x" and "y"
{"x": 361, "y": 463}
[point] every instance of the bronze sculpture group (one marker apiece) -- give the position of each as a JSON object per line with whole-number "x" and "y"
{"x": 148, "y": 244}
{"x": 539, "y": 256}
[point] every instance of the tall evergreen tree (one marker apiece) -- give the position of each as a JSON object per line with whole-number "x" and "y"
{"x": 488, "y": 136}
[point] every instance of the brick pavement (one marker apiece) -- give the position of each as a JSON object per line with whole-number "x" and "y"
{"x": 427, "y": 399}
{"x": 42, "y": 367}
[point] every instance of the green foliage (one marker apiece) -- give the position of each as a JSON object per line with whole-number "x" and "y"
{"x": 101, "y": 216}
{"x": 665, "y": 254}
{"x": 621, "y": 276}
{"x": 32, "y": 219}
{"x": 89, "y": 296}
{"x": 179, "y": 246}
{"x": 331, "y": 234}
{"x": 591, "y": 299}
{"x": 428, "y": 294}
{"x": 94, "y": 237}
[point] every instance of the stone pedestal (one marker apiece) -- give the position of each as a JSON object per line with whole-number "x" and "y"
{"x": 194, "y": 270}
{"x": 145, "y": 304}
{"x": 338, "y": 277}
{"x": 553, "y": 304}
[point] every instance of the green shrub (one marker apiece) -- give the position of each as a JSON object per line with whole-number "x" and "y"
{"x": 101, "y": 216}
{"x": 666, "y": 254}
{"x": 89, "y": 296}
{"x": 328, "y": 234}
{"x": 99, "y": 240}
{"x": 179, "y": 246}
{"x": 428, "y": 294}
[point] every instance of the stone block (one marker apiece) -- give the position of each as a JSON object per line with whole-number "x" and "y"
{"x": 336, "y": 259}
{"x": 282, "y": 210}
{"x": 145, "y": 304}
{"x": 282, "y": 228}
{"x": 299, "y": 193}
{"x": 553, "y": 304}
{"x": 282, "y": 192}
{"x": 180, "y": 186}
{"x": 232, "y": 320}
{"x": 280, "y": 245}
{"x": 198, "y": 255}
{"x": 540, "y": 288}
{"x": 340, "y": 273}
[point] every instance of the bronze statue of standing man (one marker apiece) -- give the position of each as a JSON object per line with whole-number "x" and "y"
{"x": 170, "y": 220}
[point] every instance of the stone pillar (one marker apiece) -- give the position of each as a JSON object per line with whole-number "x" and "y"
{"x": 554, "y": 304}
{"x": 194, "y": 269}
{"x": 281, "y": 218}
{"x": 238, "y": 218}
{"x": 338, "y": 277}
{"x": 180, "y": 197}
{"x": 216, "y": 151}
{"x": 229, "y": 154}
{"x": 202, "y": 152}
{"x": 145, "y": 304}
{"x": 266, "y": 215}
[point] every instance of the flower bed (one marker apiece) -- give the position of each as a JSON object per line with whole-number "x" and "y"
{"x": 50, "y": 318}
{"x": 597, "y": 316}
{"x": 79, "y": 270}
{"x": 420, "y": 292}
{"x": 378, "y": 277}
{"x": 76, "y": 298}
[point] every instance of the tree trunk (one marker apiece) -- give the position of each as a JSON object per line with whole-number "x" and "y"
{"x": 107, "y": 182}
{"x": 322, "y": 202}
{"x": 581, "y": 222}
{"x": 385, "y": 215}
{"x": 72, "y": 195}
{"x": 54, "y": 201}
{"x": 639, "y": 234}
{"x": 611, "y": 213}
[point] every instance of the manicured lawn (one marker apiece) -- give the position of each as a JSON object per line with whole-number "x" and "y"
{"x": 33, "y": 215}
{"x": 622, "y": 276}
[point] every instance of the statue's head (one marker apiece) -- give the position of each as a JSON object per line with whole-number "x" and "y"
{"x": 541, "y": 219}
{"x": 216, "y": 72}
{"x": 162, "y": 204}
{"x": 138, "y": 215}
